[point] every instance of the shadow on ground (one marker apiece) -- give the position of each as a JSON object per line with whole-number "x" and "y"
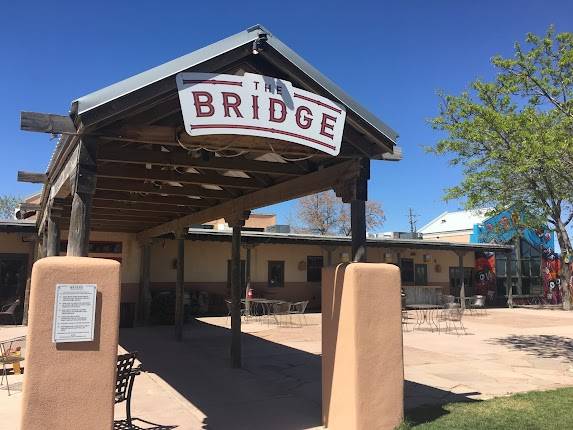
{"x": 279, "y": 387}
{"x": 544, "y": 346}
{"x": 423, "y": 403}
{"x": 124, "y": 425}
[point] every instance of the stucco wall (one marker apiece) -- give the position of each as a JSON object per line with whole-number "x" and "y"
{"x": 13, "y": 243}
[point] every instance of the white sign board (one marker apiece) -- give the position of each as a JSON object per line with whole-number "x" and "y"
{"x": 74, "y": 313}
{"x": 257, "y": 105}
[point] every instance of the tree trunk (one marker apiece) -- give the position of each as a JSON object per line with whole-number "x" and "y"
{"x": 565, "y": 275}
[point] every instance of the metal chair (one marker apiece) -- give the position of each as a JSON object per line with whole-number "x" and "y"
{"x": 10, "y": 310}
{"x": 299, "y": 308}
{"x": 281, "y": 310}
{"x": 125, "y": 377}
{"x": 478, "y": 305}
{"x": 11, "y": 353}
{"x": 452, "y": 315}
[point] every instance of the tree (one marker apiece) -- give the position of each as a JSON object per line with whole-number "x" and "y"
{"x": 374, "y": 217}
{"x": 513, "y": 137}
{"x": 8, "y": 204}
{"x": 324, "y": 213}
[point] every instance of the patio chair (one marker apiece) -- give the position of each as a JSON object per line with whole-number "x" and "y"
{"x": 281, "y": 311}
{"x": 9, "y": 311}
{"x": 477, "y": 305}
{"x": 299, "y": 308}
{"x": 452, "y": 316}
{"x": 229, "y": 309}
{"x": 447, "y": 299}
{"x": 125, "y": 377}
{"x": 11, "y": 353}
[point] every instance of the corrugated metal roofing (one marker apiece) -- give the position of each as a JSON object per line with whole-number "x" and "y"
{"x": 171, "y": 68}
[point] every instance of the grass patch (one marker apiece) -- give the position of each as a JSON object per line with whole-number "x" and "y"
{"x": 536, "y": 410}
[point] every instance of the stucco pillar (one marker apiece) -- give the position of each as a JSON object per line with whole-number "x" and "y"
{"x": 362, "y": 363}
{"x": 70, "y": 386}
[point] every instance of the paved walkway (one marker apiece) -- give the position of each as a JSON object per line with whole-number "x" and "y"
{"x": 190, "y": 386}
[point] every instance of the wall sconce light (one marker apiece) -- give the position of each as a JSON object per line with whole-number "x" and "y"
{"x": 344, "y": 257}
{"x": 427, "y": 258}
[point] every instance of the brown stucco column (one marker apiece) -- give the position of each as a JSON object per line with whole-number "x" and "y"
{"x": 362, "y": 362}
{"x": 70, "y": 386}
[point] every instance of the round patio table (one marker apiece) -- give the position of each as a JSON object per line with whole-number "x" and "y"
{"x": 425, "y": 314}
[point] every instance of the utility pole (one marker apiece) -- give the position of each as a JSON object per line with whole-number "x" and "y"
{"x": 412, "y": 219}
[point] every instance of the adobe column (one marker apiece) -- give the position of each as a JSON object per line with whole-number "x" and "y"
{"x": 71, "y": 349}
{"x": 362, "y": 363}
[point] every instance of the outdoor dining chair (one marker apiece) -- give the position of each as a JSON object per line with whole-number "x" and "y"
{"x": 452, "y": 316}
{"x": 477, "y": 305}
{"x": 299, "y": 308}
{"x": 11, "y": 354}
{"x": 281, "y": 313}
{"x": 125, "y": 377}
{"x": 9, "y": 311}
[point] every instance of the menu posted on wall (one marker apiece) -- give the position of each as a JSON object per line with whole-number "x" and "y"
{"x": 74, "y": 313}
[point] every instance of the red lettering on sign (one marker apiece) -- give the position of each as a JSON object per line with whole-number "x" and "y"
{"x": 325, "y": 125}
{"x": 273, "y": 113}
{"x": 228, "y": 104}
{"x": 207, "y": 103}
{"x": 255, "y": 107}
{"x": 303, "y": 121}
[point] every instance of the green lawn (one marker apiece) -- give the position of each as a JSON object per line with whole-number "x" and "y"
{"x": 537, "y": 410}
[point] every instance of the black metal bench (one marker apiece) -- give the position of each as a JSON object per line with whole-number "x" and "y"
{"x": 126, "y": 374}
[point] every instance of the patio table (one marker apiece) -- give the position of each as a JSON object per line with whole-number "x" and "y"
{"x": 425, "y": 314}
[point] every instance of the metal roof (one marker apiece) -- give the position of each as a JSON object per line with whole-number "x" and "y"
{"x": 171, "y": 68}
{"x": 454, "y": 221}
{"x": 312, "y": 239}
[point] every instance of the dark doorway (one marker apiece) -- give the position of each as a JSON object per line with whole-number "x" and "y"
{"x": 13, "y": 269}
{"x": 407, "y": 271}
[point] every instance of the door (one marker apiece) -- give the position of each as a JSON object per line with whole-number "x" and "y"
{"x": 421, "y": 274}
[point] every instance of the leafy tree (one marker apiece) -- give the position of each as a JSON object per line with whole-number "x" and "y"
{"x": 513, "y": 137}
{"x": 324, "y": 213}
{"x": 8, "y": 204}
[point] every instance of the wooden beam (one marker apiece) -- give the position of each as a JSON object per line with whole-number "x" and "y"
{"x": 117, "y": 171}
{"x": 46, "y": 123}
{"x": 145, "y": 288}
{"x": 303, "y": 185}
{"x": 29, "y": 207}
{"x": 121, "y": 215}
{"x": 137, "y": 212}
{"x": 153, "y": 199}
{"x": 83, "y": 187}
{"x": 183, "y": 160}
{"x": 34, "y": 178}
{"x": 53, "y": 235}
{"x": 141, "y": 187}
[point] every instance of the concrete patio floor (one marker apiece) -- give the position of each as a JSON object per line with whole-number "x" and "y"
{"x": 190, "y": 386}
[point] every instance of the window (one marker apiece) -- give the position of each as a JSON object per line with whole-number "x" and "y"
{"x": 407, "y": 271}
{"x": 314, "y": 268}
{"x": 276, "y": 274}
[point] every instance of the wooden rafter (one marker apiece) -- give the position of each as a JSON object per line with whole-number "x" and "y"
{"x": 142, "y": 187}
{"x": 303, "y": 185}
{"x": 34, "y": 178}
{"x": 118, "y": 171}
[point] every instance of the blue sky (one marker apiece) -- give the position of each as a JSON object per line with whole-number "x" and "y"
{"x": 391, "y": 56}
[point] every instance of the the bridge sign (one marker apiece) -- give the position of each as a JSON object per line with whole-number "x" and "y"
{"x": 257, "y": 105}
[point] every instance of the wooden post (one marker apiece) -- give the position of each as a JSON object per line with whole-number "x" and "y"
{"x": 358, "y": 225}
{"x": 179, "y": 287}
{"x": 53, "y": 241}
{"x": 83, "y": 188}
{"x": 248, "y": 277}
{"x": 462, "y": 280}
{"x": 236, "y": 222}
{"x": 145, "y": 288}
{"x": 355, "y": 192}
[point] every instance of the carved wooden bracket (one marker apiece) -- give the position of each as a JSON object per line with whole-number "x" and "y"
{"x": 237, "y": 219}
